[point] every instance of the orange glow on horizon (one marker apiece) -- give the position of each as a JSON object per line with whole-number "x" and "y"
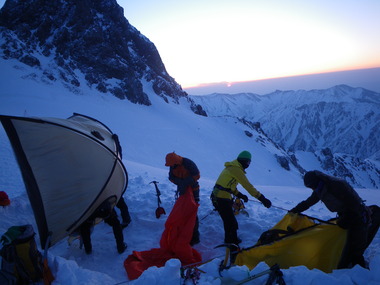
{"x": 230, "y": 83}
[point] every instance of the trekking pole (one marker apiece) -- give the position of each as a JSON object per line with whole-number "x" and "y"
{"x": 207, "y": 215}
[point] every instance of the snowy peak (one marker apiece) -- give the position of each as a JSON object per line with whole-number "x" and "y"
{"x": 345, "y": 119}
{"x": 342, "y": 119}
{"x": 70, "y": 39}
{"x": 337, "y": 94}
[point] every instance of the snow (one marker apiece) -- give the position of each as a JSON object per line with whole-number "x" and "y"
{"x": 146, "y": 135}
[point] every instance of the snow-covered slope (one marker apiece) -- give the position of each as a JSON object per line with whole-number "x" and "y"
{"x": 43, "y": 83}
{"x": 171, "y": 127}
{"x": 90, "y": 48}
{"x": 147, "y": 133}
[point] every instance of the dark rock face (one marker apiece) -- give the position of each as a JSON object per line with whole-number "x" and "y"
{"x": 328, "y": 162}
{"x": 89, "y": 36}
{"x": 283, "y": 161}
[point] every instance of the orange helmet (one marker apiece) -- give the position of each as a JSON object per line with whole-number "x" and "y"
{"x": 172, "y": 159}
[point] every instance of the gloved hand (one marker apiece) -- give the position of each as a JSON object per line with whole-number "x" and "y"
{"x": 294, "y": 211}
{"x": 243, "y": 197}
{"x": 267, "y": 203}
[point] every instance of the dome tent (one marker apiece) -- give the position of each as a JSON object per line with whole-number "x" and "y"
{"x": 69, "y": 167}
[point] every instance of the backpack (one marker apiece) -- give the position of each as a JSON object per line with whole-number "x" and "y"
{"x": 21, "y": 262}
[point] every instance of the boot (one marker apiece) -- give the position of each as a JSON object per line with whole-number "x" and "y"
{"x": 121, "y": 248}
{"x": 88, "y": 249}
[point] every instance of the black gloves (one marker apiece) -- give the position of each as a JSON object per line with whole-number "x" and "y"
{"x": 303, "y": 206}
{"x": 243, "y": 197}
{"x": 267, "y": 203}
{"x": 297, "y": 209}
{"x": 294, "y": 211}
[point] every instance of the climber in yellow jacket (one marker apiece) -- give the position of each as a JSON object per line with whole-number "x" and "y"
{"x": 224, "y": 189}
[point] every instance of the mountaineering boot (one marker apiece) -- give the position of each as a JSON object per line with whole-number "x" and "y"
{"x": 88, "y": 249}
{"x": 121, "y": 248}
{"x": 194, "y": 241}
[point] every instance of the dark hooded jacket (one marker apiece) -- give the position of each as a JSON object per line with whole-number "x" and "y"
{"x": 336, "y": 194}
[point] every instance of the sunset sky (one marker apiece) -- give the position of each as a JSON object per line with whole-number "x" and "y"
{"x": 208, "y": 41}
{"x": 204, "y": 41}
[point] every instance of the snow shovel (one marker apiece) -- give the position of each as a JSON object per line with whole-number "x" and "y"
{"x": 159, "y": 211}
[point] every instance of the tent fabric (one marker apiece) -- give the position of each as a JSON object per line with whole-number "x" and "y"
{"x": 69, "y": 167}
{"x": 175, "y": 240}
{"x": 308, "y": 243}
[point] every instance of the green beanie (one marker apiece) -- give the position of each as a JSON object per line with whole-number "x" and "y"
{"x": 244, "y": 155}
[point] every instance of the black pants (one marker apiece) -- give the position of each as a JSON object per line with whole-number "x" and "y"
{"x": 195, "y": 237}
{"x": 356, "y": 244}
{"x": 112, "y": 220}
{"x": 224, "y": 208}
{"x": 124, "y": 211}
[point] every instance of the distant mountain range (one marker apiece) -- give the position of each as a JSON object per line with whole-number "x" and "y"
{"x": 342, "y": 118}
{"x": 367, "y": 78}
{"x": 89, "y": 43}
{"x": 339, "y": 125}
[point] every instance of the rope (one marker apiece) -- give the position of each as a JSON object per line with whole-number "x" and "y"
{"x": 310, "y": 217}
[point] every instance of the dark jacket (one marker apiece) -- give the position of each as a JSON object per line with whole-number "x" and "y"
{"x": 185, "y": 174}
{"x": 337, "y": 195}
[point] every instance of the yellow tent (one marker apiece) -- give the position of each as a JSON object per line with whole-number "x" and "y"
{"x": 300, "y": 241}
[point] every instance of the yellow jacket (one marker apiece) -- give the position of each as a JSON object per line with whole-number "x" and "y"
{"x": 232, "y": 175}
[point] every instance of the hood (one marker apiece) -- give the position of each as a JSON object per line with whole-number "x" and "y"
{"x": 234, "y": 163}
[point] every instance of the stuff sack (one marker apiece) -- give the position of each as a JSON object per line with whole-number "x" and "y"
{"x": 4, "y": 199}
{"x": 21, "y": 262}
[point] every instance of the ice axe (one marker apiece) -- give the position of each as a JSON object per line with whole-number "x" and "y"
{"x": 159, "y": 211}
